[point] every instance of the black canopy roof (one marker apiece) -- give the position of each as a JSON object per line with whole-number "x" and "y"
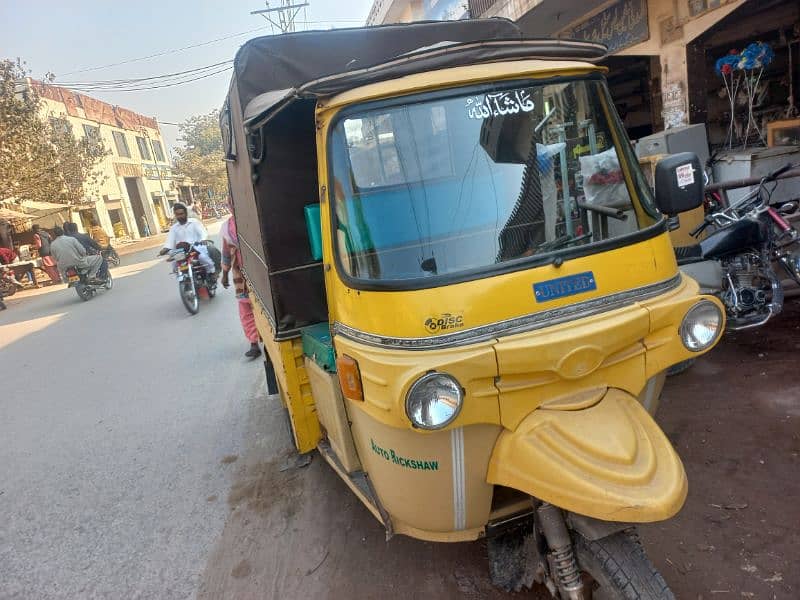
{"x": 271, "y": 72}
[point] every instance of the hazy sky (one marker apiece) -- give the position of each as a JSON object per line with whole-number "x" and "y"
{"x": 65, "y": 37}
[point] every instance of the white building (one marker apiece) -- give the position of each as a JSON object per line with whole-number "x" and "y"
{"x": 137, "y": 189}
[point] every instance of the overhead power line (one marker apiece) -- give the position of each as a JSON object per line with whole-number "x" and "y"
{"x": 135, "y": 80}
{"x": 141, "y": 88}
{"x": 165, "y": 52}
{"x": 149, "y": 83}
{"x": 200, "y": 45}
{"x": 283, "y": 16}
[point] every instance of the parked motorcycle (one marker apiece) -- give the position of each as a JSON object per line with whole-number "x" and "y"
{"x": 8, "y": 283}
{"x": 735, "y": 261}
{"x": 87, "y": 287}
{"x": 192, "y": 277}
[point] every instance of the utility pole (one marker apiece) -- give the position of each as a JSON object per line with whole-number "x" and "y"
{"x": 282, "y": 16}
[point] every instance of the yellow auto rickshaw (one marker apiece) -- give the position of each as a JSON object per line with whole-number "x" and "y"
{"x": 466, "y": 289}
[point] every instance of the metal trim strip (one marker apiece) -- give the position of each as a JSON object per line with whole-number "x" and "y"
{"x": 531, "y": 322}
{"x": 459, "y": 483}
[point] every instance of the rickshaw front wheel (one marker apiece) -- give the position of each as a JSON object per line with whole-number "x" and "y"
{"x": 612, "y": 568}
{"x": 617, "y": 568}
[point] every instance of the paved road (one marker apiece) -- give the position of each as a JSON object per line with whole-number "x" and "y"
{"x": 115, "y": 417}
{"x": 144, "y": 461}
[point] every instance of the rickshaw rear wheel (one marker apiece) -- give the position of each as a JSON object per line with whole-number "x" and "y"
{"x": 617, "y": 568}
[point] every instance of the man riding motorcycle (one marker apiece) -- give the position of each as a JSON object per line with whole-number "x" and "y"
{"x": 68, "y": 252}
{"x": 91, "y": 247}
{"x": 190, "y": 231}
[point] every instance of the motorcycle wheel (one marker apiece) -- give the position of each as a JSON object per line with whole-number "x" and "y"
{"x": 189, "y": 296}
{"x": 617, "y": 568}
{"x": 7, "y": 288}
{"x": 83, "y": 291}
{"x": 109, "y": 282}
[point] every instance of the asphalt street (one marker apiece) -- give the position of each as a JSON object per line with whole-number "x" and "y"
{"x": 141, "y": 458}
{"x": 119, "y": 421}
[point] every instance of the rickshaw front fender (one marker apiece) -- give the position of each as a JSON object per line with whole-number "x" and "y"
{"x": 609, "y": 461}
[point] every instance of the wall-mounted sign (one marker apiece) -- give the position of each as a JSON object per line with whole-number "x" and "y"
{"x": 127, "y": 170}
{"x": 674, "y": 105}
{"x": 698, "y": 7}
{"x": 619, "y": 26}
{"x": 150, "y": 171}
{"x": 153, "y": 171}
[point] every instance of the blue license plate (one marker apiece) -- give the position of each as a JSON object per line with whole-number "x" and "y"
{"x": 564, "y": 286}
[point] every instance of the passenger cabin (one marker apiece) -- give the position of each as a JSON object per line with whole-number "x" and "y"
{"x": 269, "y": 133}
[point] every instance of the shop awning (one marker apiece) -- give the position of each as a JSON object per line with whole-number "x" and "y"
{"x": 44, "y": 206}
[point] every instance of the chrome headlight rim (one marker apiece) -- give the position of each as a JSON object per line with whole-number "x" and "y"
{"x": 684, "y": 329}
{"x": 420, "y": 382}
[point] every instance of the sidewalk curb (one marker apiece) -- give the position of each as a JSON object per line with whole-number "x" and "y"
{"x": 139, "y": 245}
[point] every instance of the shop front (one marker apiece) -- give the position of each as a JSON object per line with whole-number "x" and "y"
{"x": 667, "y": 71}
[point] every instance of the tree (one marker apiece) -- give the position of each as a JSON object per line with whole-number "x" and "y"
{"x": 201, "y": 159}
{"x": 76, "y": 161}
{"x": 41, "y": 159}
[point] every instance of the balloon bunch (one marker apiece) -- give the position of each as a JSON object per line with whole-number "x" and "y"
{"x": 744, "y": 69}
{"x": 756, "y": 56}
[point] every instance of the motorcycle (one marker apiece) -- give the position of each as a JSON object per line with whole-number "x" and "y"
{"x": 111, "y": 256}
{"x": 735, "y": 261}
{"x": 8, "y": 283}
{"x": 192, "y": 277}
{"x": 87, "y": 287}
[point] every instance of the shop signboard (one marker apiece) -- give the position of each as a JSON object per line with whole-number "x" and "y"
{"x": 698, "y": 7}
{"x": 618, "y": 26}
{"x": 152, "y": 171}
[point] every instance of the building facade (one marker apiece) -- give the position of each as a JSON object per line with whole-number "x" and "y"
{"x": 662, "y": 53}
{"x": 405, "y": 11}
{"x": 136, "y": 188}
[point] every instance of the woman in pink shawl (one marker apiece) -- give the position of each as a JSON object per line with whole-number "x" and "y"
{"x": 232, "y": 261}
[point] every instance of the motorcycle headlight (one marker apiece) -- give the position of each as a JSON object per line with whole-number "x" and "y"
{"x": 701, "y": 326}
{"x": 434, "y": 401}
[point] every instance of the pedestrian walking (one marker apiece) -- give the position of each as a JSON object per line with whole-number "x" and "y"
{"x": 231, "y": 262}
{"x": 145, "y": 227}
{"x": 42, "y": 239}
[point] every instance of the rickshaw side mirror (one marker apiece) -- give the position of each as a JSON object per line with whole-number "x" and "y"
{"x": 679, "y": 183}
{"x": 314, "y": 228}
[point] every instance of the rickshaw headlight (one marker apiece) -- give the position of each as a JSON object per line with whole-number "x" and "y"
{"x": 434, "y": 401}
{"x": 701, "y": 326}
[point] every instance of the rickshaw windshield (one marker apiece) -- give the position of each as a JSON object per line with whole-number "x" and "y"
{"x": 457, "y": 184}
